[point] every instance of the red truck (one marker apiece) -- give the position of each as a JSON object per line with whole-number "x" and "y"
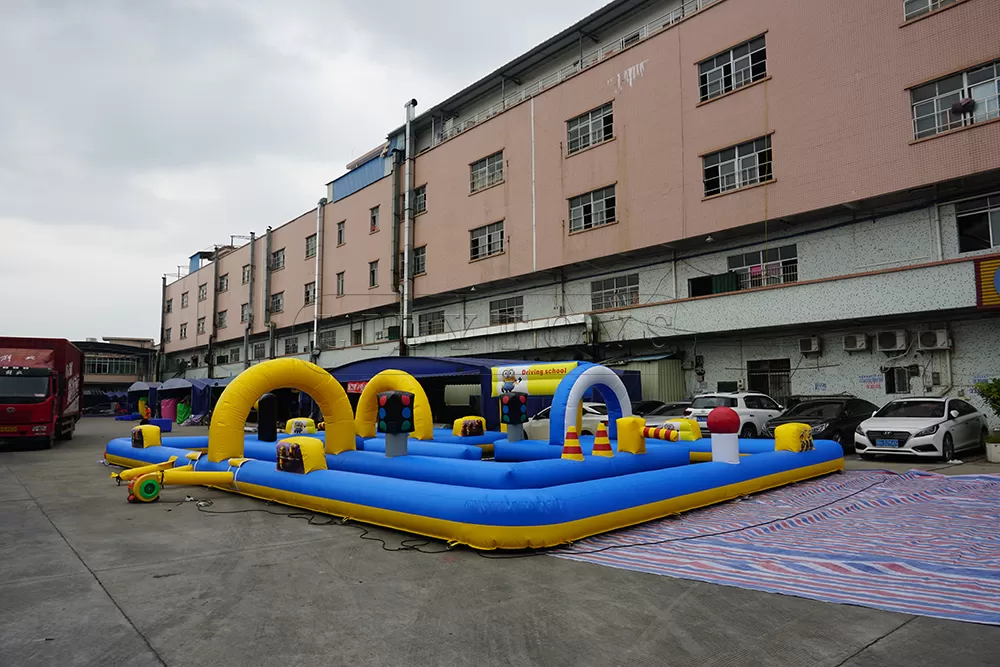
{"x": 41, "y": 382}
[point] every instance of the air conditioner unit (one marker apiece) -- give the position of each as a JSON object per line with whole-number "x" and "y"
{"x": 891, "y": 341}
{"x": 855, "y": 342}
{"x": 936, "y": 339}
{"x": 811, "y": 345}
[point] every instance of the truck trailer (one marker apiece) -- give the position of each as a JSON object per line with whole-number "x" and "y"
{"x": 41, "y": 384}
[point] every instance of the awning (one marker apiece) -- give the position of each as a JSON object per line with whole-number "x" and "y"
{"x": 175, "y": 383}
{"x": 143, "y": 386}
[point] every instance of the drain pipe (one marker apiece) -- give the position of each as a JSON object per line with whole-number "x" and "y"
{"x": 163, "y": 317}
{"x": 248, "y": 325}
{"x": 318, "y": 295}
{"x": 215, "y": 313}
{"x": 407, "y": 331}
{"x": 267, "y": 294}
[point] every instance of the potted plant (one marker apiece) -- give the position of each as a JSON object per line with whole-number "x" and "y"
{"x": 990, "y": 392}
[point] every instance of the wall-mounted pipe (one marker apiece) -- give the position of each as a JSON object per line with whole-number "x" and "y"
{"x": 267, "y": 294}
{"x": 248, "y": 325}
{"x": 163, "y": 315}
{"x": 210, "y": 355}
{"x": 407, "y": 328}
{"x": 318, "y": 291}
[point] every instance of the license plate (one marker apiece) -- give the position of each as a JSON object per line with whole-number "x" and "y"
{"x": 8, "y": 429}
{"x": 887, "y": 443}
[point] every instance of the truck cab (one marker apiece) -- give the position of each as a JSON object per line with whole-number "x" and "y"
{"x": 40, "y": 384}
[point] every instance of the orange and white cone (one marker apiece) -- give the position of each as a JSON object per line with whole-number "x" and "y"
{"x": 571, "y": 447}
{"x": 602, "y": 446}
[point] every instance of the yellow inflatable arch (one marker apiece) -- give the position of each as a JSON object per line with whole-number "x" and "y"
{"x": 225, "y": 435}
{"x": 393, "y": 380}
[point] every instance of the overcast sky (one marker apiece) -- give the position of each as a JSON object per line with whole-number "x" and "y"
{"x": 136, "y": 132}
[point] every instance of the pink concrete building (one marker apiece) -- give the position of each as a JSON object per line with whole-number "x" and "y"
{"x": 669, "y": 179}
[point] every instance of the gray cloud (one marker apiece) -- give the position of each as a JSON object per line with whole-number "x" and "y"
{"x": 135, "y": 133}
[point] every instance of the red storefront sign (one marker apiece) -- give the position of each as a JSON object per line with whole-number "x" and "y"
{"x": 356, "y": 387}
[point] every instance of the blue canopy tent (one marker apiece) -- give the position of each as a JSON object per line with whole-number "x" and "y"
{"x": 201, "y": 393}
{"x": 137, "y": 389}
{"x": 464, "y": 370}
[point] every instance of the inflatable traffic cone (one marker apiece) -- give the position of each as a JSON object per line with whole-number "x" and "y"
{"x": 571, "y": 448}
{"x": 602, "y": 446}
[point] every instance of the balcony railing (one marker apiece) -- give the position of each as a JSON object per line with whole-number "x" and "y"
{"x": 650, "y": 29}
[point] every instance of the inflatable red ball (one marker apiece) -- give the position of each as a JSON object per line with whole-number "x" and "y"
{"x": 723, "y": 420}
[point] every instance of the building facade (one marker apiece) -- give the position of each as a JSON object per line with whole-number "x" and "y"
{"x": 792, "y": 197}
{"x": 114, "y": 363}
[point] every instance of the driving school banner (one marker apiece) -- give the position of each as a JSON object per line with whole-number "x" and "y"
{"x": 534, "y": 379}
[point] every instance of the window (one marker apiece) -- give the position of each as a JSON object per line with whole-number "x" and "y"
{"x": 738, "y": 167}
{"x": 420, "y": 260}
{"x": 103, "y": 365}
{"x": 258, "y": 351}
{"x": 733, "y": 69}
{"x": 629, "y": 40}
{"x": 245, "y": 312}
{"x": 373, "y": 274}
{"x": 224, "y": 282}
{"x": 420, "y": 199}
{"x": 310, "y": 293}
{"x": 962, "y": 407}
{"x": 202, "y": 291}
{"x": 278, "y": 259}
{"x": 201, "y": 325}
{"x": 373, "y": 220}
{"x": 310, "y": 246}
{"x": 486, "y": 172}
{"x": 166, "y": 335}
{"x": 771, "y": 377}
{"x": 184, "y": 331}
{"x": 915, "y": 8}
{"x": 858, "y": 407}
{"x": 431, "y": 323}
{"x": 955, "y": 101}
{"x": 277, "y": 302}
{"x": 328, "y": 339}
{"x": 486, "y": 241}
{"x": 505, "y": 311}
{"x": 356, "y": 337}
{"x": 340, "y": 284}
{"x": 194, "y": 361}
{"x": 234, "y": 355}
{"x": 246, "y": 274}
{"x": 897, "y": 381}
{"x": 169, "y": 307}
{"x": 221, "y": 359}
{"x": 184, "y": 300}
{"x": 978, "y": 223}
{"x": 340, "y": 232}
{"x": 773, "y": 266}
{"x": 615, "y": 292}
{"x": 592, "y": 209}
{"x": 589, "y": 129}
{"x": 223, "y": 317}
{"x": 292, "y": 345}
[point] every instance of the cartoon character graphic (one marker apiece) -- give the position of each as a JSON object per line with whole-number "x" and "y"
{"x": 137, "y": 441}
{"x": 298, "y": 426}
{"x": 806, "y": 441}
{"x": 510, "y": 380}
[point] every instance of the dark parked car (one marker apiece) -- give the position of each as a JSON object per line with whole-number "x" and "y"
{"x": 642, "y": 408}
{"x": 833, "y": 418}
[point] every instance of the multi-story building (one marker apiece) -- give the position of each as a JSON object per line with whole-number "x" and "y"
{"x": 795, "y": 197}
{"x": 115, "y": 363}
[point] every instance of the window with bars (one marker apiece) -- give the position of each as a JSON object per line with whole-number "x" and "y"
{"x": 420, "y": 260}
{"x": 328, "y": 339}
{"x": 759, "y": 268}
{"x": 223, "y": 319}
{"x": 486, "y": 172}
{"x": 184, "y": 331}
{"x": 340, "y": 231}
{"x": 102, "y": 365}
{"x": 733, "y": 69}
{"x": 169, "y": 307}
{"x": 340, "y": 284}
{"x": 278, "y": 302}
{"x": 184, "y": 300}
{"x": 592, "y": 209}
{"x": 357, "y": 337}
{"x": 955, "y": 101}
{"x": 615, "y": 292}
{"x": 738, "y": 167}
{"x": 978, "y": 223}
{"x": 373, "y": 274}
{"x": 310, "y": 293}
{"x": 224, "y": 282}
{"x": 310, "y": 246}
{"x": 431, "y": 323}
{"x": 507, "y": 311}
{"x": 245, "y": 312}
{"x": 202, "y": 291}
{"x": 486, "y": 241}
{"x": 373, "y": 220}
{"x": 292, "y": 345}
{"x": 246, "y": 274}
{"x": 420, "y": 199}
{"x": 589, "y": 129}
{"x": 234, "y": 355}
{"x": 259, "y": 351}
{"x": 914, "y": 8}
{"x": 167, "y": 335}
{"x": 278, "y": 259}
{"x": 201, "y": 325}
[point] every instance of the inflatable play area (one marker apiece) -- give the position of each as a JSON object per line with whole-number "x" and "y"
{"x": 388, "y": 465}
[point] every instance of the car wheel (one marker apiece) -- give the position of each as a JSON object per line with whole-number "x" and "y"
{"x": 947, "y": 448}
{"x": 748, "y": 431}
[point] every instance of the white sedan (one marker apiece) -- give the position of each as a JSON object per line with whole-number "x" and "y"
{"x": 537, "y": 427}
{"x": 921, "y": 427}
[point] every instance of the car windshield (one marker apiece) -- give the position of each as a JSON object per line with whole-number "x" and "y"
{"x": 702, "y": 402}
{"x": 821, "y": 409}
{"x": 919, "y": 409}
{"x": 597, "y": 409}
{"x": 543, "y": 414}
{"x": 33, "y": 387}
{"x": 667, "y": 410}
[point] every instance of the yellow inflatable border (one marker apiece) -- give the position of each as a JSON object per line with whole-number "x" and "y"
{"x": 393, "y": 380}
{"x": 225, "y": 435}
